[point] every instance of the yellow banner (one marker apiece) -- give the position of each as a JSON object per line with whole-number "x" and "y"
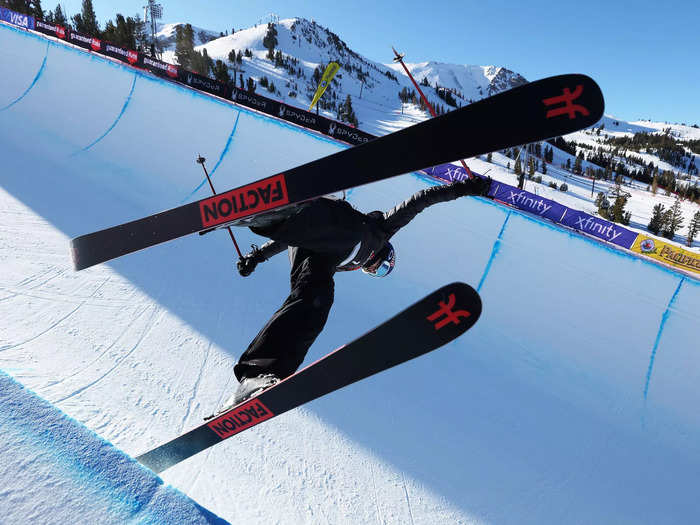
{"x": 667, "y": 253}
{"x": 328, "y": 75}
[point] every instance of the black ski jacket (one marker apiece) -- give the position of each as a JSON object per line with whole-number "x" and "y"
{"x": 345, "y": 231}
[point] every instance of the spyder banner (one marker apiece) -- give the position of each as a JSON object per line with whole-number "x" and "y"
{"x": 204, "y": 83}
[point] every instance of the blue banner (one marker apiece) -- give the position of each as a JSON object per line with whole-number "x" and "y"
{"x": 16, "y": 19}
{"x": 527, "y": 201}
{"x": 597, "y": 227}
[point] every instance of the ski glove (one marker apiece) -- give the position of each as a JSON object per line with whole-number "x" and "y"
{"x": 475, "y": 186}
{"x": 247, "y": 263}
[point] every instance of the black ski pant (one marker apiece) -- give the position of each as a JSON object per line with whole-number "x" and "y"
{"x": 320, "y": 236}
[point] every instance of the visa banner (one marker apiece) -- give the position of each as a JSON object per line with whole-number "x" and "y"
{"x": 667, "y": 253}
{"x": 16, "y": 19}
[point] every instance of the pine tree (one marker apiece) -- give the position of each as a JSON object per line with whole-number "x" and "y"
{"x": 220, "y": 71}
{"x": 35, "y": 9}
{"x": 518, "y": 166}
{"x": 489, "y": 157}
{"x": 657, "y": 218}
{"x": 617, "y": 212}
{"x": 232, "y": 56}
{"x": 675, "y": 220}
{"x": 251, "y": 85}
{"x": 58, "y": 17}
{"x": 184, "y": 46}
{"x": 86, "y": 21}
{"x": 693, "y": 229}
{"x": 270, "y": 41}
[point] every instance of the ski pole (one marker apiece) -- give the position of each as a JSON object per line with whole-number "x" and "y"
{"x": 201, "y": 160}
{"x": 399, "y": 58}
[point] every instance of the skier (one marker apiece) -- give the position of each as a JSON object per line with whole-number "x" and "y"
{"x": 323, "y": 236}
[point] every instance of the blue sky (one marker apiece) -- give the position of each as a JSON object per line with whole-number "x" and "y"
{"x": 645, "y": 55}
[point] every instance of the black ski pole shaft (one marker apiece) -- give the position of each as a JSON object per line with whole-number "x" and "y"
{"x": 201, "y": 160}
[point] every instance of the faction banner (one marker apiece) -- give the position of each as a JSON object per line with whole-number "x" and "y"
{"x": 16, "y": 19}
{"x": 667, "y": 253}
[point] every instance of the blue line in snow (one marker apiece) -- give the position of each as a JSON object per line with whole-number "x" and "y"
{"x": 36, "y": 79}
{"x": 664, "y": 318}
{"x": 218, "y": 162}
{"x": 494, "y": 252}
{"x": 116, "y": 121}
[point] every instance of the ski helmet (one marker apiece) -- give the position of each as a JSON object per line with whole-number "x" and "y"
{"x": 382, "y": 262}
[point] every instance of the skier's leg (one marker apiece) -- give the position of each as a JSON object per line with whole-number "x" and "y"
{"x": 281, "y": 345}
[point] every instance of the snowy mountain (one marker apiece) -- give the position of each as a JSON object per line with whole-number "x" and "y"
{"x": 373, "y": 86}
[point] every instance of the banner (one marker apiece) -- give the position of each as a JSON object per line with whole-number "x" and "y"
{"x": 51, "y": 29}
{"x": 16, "y": 19}
{"x": 255, "y": 101}
{"x": 160, "y": 68}
{"x": 202, "y": 83}
{"x": 667, "y": 253}
{"x": 597, "y": 227}
{"x": 526, "y": 201}
{"x": 120, "y": 53}
{"x": 299, "y": 116}
{"x": 328, "y": 75}
{"x": 85, "y": 41}
{"x": 345, "y": 133}
{"x": 448, "y": 172}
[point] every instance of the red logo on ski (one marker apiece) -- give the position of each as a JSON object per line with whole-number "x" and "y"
{"x": 567, "y": 99}
{"x": 260, "y": 196}
{"x": 449, "y": 316}
{"x": 237, "y": 420}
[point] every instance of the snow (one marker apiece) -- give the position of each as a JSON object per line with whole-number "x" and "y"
{"x": 574, "y": 399}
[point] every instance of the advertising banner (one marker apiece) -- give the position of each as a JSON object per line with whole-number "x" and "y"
{"x": 597, "y": 227}
{"x": 448, "y": 172}
{"x": 120, "y": 53}
{"x": 299, "y": 116}
{"x": 202, "y": 83}
{"x": 254, "y": 101}
{"x": 51, "y": 29}
{"x": 160, "y": 68}
{"x": 85, "y": 41}
{"x": 16, "y": 19}
{"x": 345, "y": 133}
{"x": 527, "y": 201}
{"x": 667, "y": 253}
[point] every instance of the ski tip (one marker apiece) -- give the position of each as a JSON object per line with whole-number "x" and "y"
{"x": 451, "y": 310}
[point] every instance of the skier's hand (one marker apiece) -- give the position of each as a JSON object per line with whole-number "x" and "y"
{"x": 475, "y": 186}
{"x": 246, "y": 264}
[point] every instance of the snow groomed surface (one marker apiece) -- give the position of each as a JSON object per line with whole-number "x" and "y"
{"x": 572, "y": 400}
{"x": 55, "y": 470}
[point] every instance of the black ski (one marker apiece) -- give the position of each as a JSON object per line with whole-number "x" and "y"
{"x": 540, "y": 110}
{"x": 430, "y": 323}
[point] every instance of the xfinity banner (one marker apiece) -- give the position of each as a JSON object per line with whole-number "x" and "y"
{"x": 448, "y": 172}
{"x": 16, "y": 19}
{"x": 598, "y": 227}
{"x": 527, "y": 201}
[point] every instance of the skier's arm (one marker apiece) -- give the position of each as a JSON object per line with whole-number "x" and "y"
{"x": 249, "y": 261}
{"x": 405, "y": 212}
